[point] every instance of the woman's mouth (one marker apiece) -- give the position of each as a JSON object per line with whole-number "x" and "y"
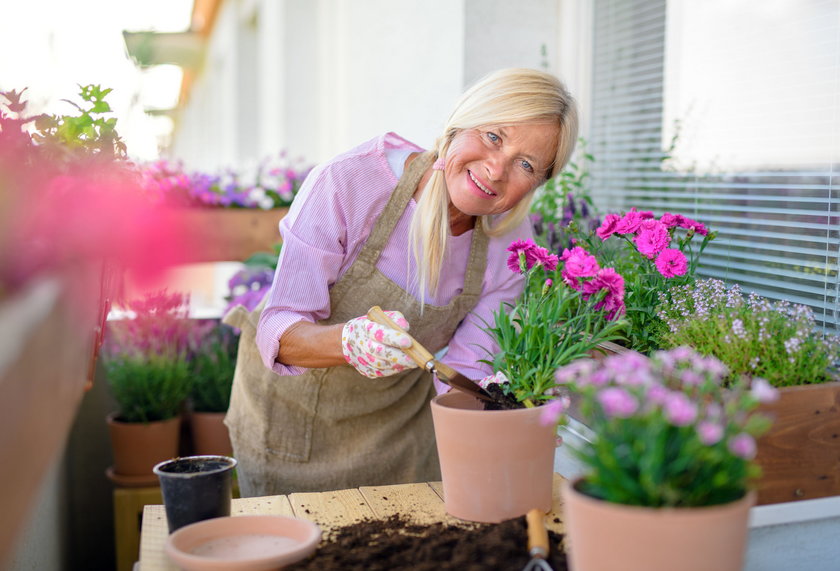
{"x": 480, "y": 186}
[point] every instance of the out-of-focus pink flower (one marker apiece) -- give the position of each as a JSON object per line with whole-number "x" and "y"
{"x": 743, "y": 445}
{"x": 679, "y": 409}
{"x": 709, "y": 432}
{"x": 553, "y": 411}
{"x": 671, "y": 263}
{"x": 763, "y": 391}
{"x": 617, "y": 402}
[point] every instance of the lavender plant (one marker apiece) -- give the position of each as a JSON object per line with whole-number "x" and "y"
{"x": 212, "y": 366}
{"x": 667, "y": 432}
{"x": 779, "y": 341}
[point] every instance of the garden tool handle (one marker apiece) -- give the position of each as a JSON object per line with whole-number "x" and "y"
{"x": 537, "y": 534}
{"x": 416, "y": 351}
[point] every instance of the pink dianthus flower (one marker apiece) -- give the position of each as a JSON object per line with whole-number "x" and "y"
{"x": 671, "y": 262}
{"x": 652, "y": 240}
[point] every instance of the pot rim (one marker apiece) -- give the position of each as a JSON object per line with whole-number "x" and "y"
{"x": 435, "y": 402}
{"x": 228, "y": 461}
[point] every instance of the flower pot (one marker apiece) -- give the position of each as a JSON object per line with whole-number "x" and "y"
{"x": 602, "y": 535}
{"x": 195, "y": 488}
{"x": 138, "y": 446}
{"x": 209, "y": 434}
{"x": 495, "y": 465}
{"x": 799, "y": 454}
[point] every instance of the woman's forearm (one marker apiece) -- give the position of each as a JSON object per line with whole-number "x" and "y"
{"x": 313, "y": 346}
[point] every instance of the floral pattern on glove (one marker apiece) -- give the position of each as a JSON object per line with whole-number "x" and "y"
{"x": 376, "y": 350}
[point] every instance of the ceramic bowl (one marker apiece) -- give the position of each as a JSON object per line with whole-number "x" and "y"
{"x": 245, "y": 543}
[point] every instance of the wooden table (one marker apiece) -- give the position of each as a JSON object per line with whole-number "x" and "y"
{"x": 422, "y": 503}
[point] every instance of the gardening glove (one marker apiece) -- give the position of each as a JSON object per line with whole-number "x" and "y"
{"x": 376, "y": 350}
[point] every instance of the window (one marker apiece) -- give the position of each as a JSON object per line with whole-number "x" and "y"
{"x": 727, "y": 111}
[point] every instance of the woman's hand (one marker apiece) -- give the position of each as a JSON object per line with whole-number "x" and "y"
{"x": 376, "y": 350}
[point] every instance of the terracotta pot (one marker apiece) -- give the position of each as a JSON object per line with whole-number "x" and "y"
{"x": 138, "y": 446}
{"x": 798, "y": 455}
{"x": 209, "y": 434}
{"x": 495, "y": 465}
{"x": 602, "y": 535}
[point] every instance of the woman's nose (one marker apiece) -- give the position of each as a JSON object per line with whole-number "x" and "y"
{"x": 495, "y": 167}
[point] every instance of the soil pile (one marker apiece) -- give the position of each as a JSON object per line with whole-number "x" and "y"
{"x": 396, "y": 543}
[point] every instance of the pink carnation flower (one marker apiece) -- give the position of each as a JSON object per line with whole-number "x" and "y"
{"x": 679, "y": 410}
{"x": 533, "y": 255}
{"x": 743, "y": 445}
{"x": 629, "y": 223}
{"x": 617, "y": 402}
{"x": 653, "y": 239}
{"x": 579, "y": 263}
{"x": 709, "y": 432}
{"x": 671, "y": 262}
{"x": 607, "y": 227}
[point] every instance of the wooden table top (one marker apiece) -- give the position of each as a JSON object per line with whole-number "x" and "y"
{"x": 421, "y": 503}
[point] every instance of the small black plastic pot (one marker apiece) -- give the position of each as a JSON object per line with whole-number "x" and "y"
{"x": 195, "y": 488}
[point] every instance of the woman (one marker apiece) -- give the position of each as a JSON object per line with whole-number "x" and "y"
{"x": 325, "y": 399}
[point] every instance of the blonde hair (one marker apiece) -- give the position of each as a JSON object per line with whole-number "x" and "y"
{"x": 504, "y": 97}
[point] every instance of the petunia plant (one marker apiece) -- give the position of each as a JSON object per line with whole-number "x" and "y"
{"x": 667, "y": 433}
{"x": 566, "y": 310}
{"x": 654, "y": 255}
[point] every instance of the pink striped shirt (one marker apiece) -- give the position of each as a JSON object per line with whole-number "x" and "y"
{"x": 324, "y": 231}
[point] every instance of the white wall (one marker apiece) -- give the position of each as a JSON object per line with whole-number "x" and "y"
{"x": 316, "y": 77}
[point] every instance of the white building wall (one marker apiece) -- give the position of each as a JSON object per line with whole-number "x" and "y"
{"x": 316, "y": 77}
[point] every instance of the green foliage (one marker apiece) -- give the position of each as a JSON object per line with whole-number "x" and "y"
{"x": 778, "y": 341}
{"x": 148, "y": 387}
{"x": 212, "y": 369}
{"x": 667, "y": 431}
{"x": 550, "y": 325}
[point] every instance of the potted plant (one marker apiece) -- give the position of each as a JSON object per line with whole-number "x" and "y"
{"x": 211, "y": 367}
{"x": 505, "y": 466}
{"x": 145, "y": 361}
{"x": 781, "y": 342}
{"x": 668, "y": 478}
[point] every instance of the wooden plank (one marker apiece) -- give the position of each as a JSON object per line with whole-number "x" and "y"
{"x": 266, "y": 505}
{"x": 419, "y": 503}
{"x": 331, "y": 510}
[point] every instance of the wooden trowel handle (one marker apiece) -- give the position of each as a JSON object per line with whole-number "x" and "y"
{"x": 416, "y": 351}
{"x": 537, "y": 534}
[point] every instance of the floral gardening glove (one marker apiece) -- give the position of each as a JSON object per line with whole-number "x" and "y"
{"x": 376, "y": 350}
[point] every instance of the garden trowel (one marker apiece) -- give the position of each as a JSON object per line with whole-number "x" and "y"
{"x": 426, "y": 360}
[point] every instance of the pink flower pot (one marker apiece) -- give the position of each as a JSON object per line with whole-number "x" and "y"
{"x": 495, "y": 464}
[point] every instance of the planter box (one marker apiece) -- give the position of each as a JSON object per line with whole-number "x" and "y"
{"x": 45, "y": 353}
{"x": 230, "y": 234}
{"x": 800, "y": 455}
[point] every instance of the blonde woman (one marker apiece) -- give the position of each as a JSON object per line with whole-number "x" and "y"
{"x": 323, "y": 398}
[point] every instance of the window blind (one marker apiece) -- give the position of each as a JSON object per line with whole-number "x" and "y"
{"x": 727, "y": 112}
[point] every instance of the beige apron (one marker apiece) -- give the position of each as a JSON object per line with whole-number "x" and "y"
{"x": 334, "y": 428}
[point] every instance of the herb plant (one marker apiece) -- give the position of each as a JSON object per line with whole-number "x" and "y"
{"x": 212, "y": 367}
{"x": 779, "y": 341}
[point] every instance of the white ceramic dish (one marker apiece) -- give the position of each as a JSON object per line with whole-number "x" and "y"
{"x": 244, "y": 543}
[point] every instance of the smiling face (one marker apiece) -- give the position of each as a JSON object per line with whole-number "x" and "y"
{"x": 490, "y": 169}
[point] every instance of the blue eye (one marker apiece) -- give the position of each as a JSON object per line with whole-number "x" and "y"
{"x": 527, "y": 166}
{"x": 494, "y": 138}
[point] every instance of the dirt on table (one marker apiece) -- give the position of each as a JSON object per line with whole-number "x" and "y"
{"x": 397, "y": 543}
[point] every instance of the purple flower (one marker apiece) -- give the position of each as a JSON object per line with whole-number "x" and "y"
{"x": 763, "y": 392}
{"x": 671, "y": 262}
{"x": 617, "y": 402}
{"x": 679, "y": 410}
{"x": 743, "y": 446}
{"x": 709, "y": 432}
{"x": 553, "y": 411}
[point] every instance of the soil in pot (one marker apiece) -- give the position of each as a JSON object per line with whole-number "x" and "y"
{"x": 397, "y": 543}
{"x": 501, "y": 400}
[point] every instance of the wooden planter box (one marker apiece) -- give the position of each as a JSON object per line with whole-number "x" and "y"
{"x": 800, "y": 455}
{"x": 229, "y": 234}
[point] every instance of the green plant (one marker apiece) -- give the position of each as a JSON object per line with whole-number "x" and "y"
{"x": 667, "y": 433}
{"x": 653, "y": 255}
{"x": 779, "y": 341}
{"x": 145, "y": 358}
{"x": 211, "y": 367}
{"x": 562, "y": 315}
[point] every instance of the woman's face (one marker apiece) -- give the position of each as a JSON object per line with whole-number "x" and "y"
{"x": 490, "y": 169}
